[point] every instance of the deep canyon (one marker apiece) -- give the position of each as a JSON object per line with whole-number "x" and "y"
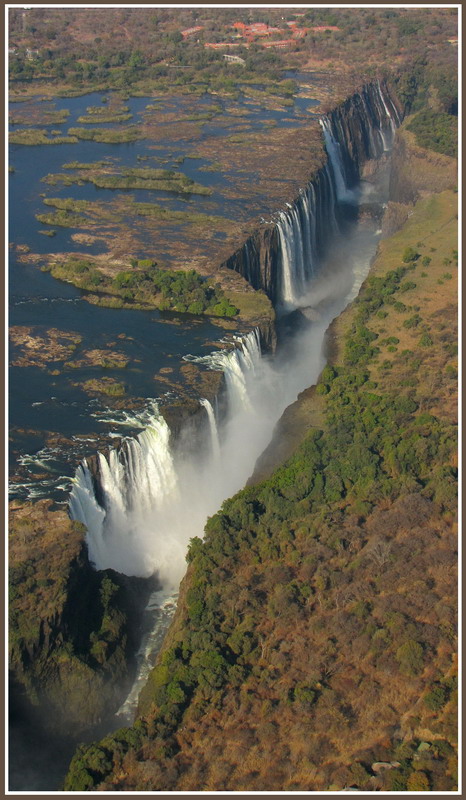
{"x": 246, "y": 415}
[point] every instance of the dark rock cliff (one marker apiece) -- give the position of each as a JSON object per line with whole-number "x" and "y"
{"x": 256, "y": 260}
{"x": 363, "y": 126}
{"x": 358, "y": 125}
{"x": 72, "y": 630}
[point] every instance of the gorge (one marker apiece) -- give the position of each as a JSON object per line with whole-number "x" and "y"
{"x": 314, "y": 505}
{"x": 142, "y": 503}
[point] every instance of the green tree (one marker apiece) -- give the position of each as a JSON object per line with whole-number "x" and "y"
{"x": 410, "y": 255}
{"x": 418, "y": 782}
{"x": 410, "y": 657}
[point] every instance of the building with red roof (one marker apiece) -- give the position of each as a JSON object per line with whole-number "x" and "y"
{"x": 281, "y": 43}
{"x": 190, "y": 31}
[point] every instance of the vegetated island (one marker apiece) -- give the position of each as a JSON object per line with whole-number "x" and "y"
{"x": 146, "y": 286}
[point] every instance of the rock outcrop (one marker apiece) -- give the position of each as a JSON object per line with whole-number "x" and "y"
{"x": 72, "y": 630}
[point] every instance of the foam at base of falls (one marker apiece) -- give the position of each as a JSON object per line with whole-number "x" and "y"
{"x": 158, "y": 615}
{"x": 134, "y": 480}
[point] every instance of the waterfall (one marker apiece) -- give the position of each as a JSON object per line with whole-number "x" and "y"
{"x": 291, "y": 289}
{"x": 144, "y": 500}
{"x": 239, "y": 367}
{"x": 391, "y": 122}
{"x": 344, "y": 194}
{"x": 214, "y": 440}
{"x": 135, "y": 480}
{"x": 300, "y": 227}
{"x": 330, "y": 226}
{"x": 306, "y": 228}
{"x": 287, "y": 251}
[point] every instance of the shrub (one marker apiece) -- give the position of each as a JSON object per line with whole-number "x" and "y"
{"x": 412, "y": 322}
{"x": 410, "y": 657}
{"x": 410, "y": 255}
{"x": 322, "y": 388}
{"x": 425, "y": 340}
{"x": 407, "y": 285}
{"x": 304, "y": 694}
{"x": 145, "y": 263}
{"x": 418, "y": 782}
{"x": 436, "y": 698}
{"x": 405, "y": 405}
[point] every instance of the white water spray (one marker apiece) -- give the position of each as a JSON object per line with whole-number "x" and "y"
{"x": 152, "y": 499}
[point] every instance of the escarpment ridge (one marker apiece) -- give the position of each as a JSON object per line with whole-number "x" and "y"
{"x": 360, "y": 129}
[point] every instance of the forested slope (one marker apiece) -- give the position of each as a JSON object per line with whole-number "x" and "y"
{"x": 315, "y": 634}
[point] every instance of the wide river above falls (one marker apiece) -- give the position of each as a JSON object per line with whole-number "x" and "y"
{"x": 53, "y": 421}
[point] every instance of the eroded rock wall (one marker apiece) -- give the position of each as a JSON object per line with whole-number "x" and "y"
{"x": 72, "y": 630}
{"x": 363, "y": 128}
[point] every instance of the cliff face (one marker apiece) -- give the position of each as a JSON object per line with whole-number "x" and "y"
{"x": 72, "y": 630}
{"x": 358, "y": 126}
{"x": 363, "y": 128}
{"x": 256, "y": 259}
